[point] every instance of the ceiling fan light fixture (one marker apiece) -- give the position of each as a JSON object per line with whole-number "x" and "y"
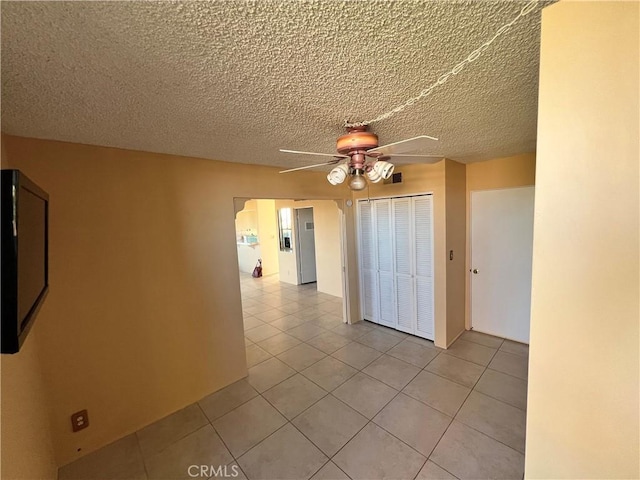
{"x": 384, "y": 169}
{"x": 357, "y": 182}
{"x": 338, "y": 174}
{"x": 373, "y": 175}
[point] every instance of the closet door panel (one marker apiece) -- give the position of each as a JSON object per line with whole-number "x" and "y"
{"x": 424, "y": 307}
{"x": 405, "y": 299}
{"x": 423, "y": 241}
{"x": 384, "y": 244}
{"x": 403, "y": 264}
{"x": 423, "y": 236}
{"x": 368, "y": 270}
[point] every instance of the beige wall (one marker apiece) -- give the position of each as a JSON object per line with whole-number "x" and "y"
{"x": 507, "y": 172}
{"x": 27, "y": 446}
{"x": 582, "y": 416}
{"x": 327, "y": 239}
{"x": 144, "y": 314}
{"x": 424, "y": 179}
{"x": 456, "y": 201}
{"x": 26, "y": 443}
{"x": 269, "y": 240}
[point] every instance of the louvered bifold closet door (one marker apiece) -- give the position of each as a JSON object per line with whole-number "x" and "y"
{"x": 423, "y": 247}
{"x": 403, "y": 264}
{"x": 384, "y": 240}
{"x": 368, "y": 268}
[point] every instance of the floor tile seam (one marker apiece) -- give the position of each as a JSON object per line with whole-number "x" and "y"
{"x": 478, "y": 343}
{"x": 471, "y": 389}
{"x": 511, "y": 353}
{"x": 454, "y": 381}
{"x": 237, "y": 459}
{"x": 359, "y": 369}
{"x": 350, "y": 440}
{"x": 505, "y": 373}
{"x": 443, "y": 467}
{"x": 220, "y": 436}
{"x": 329, "y": 331}
{"x": 432, "y": 406}
{"x": 335, "y": 388}
{"x": 487, "y": 435}
{"x": 391, "y": 386}
{"x": 176, "y": 440}
{"x": 308, "y": 366}
{"x": 266, "y": 338}
{"x": 281, "y": 381}
{"x": 232, "y": 410}
{"x": 413, "y": 448}
{"x": 370, "y": 421}
{"x": 262, "y": 361}
{"x": 142, "y": 456}
{"x": 300, "y": 413}
{"x": 310, "y": 338}
{"x": 399, "y": 358}
{"x": 448, "y": 352}
{"x": 280, "y": 353}
{"x": 385, "y": 351}
{"x": 498, "y": 399}
{"x": 426, "y": 457}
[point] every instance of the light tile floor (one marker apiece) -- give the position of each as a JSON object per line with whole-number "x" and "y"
{"x": 325, "y": 400}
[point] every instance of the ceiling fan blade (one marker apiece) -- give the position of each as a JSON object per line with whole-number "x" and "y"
{"x": 334, "y": 155}
{"x": 331, "y": 162}
{"x": 406, "y": 159}
{"x": 395, "y": 155}
{"x": 404, "y": 146}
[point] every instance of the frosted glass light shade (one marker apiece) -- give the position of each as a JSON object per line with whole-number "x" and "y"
{"x": 357, "y": 182}
{"x": 338, "y": 174}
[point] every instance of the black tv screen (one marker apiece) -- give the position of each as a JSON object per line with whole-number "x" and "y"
{"x": 25, "y": 255}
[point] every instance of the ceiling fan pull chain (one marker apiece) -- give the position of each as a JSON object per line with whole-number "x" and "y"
{"x": 473, "y": 56}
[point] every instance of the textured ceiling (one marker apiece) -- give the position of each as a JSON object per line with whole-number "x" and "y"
{"x": 237, "y": 80}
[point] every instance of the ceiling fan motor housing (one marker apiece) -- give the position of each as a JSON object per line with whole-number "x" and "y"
{"x": 357, "y": 139}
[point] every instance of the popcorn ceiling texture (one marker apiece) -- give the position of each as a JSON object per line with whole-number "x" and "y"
{"x": 237, "y": 80}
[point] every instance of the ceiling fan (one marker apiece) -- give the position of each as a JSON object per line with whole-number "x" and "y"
{"x": 355, "y": 146}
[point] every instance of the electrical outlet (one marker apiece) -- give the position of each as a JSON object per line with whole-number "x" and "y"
{"x": 79, "y": 420}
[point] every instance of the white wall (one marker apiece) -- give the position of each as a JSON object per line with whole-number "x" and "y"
{"x": 582, "y": 417}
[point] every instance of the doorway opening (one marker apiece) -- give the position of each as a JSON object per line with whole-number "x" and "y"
{"x": 301, "y": 247}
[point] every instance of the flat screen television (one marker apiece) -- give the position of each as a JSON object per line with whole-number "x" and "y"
{"x": 24, "y": 232}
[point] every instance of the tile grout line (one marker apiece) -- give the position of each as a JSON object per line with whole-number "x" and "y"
{"x": 360, "y": 370}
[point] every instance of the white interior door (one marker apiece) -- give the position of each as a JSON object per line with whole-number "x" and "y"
{"x": 501, "y": 253}
{"x": 306, "y": 250}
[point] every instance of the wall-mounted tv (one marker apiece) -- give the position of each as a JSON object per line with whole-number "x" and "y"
{"x": 24, "y": 232}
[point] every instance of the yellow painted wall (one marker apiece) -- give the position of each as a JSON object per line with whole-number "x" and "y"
{"x": 508, "y": 172}
{"x": 424, "y": 179}
{"x": 26, "y": 443}
{"x": 456, "y": 202}
{"x": 144, "y": 314}
{"x": 269, "y": 240}
{"x": 583, "y": 408}
{"x": 247, "y": 219}
{"x": 27, "y": 446}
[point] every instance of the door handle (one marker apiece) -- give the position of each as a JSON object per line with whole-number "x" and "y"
{"x": 475, "y": 271}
